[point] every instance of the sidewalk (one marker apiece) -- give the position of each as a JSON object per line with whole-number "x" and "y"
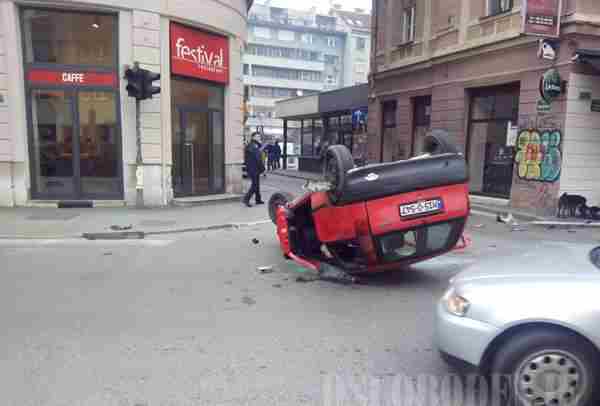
{"x": 49, "y": 223}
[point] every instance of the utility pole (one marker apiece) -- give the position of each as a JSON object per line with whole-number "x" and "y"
{"x": 140, "y": 85}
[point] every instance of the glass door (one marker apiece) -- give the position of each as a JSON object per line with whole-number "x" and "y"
{"x": 52, "y": 147}
{"x": 75, "y": 145}
{"x": 198, "y": 152}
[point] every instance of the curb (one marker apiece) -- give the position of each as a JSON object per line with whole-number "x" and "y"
{"x": 208, "y": 202}
{"x": 290, "y": 175}
{"x": 564, "y": 224}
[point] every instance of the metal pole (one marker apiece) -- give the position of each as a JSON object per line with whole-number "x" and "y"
{"x": 285, "y": 130}
{"x": 139, "y": 188}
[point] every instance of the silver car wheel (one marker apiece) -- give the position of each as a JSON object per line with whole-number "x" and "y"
{"x": 551, "y": 378}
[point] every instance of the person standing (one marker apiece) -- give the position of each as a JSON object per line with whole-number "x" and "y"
{"x": 254, "y": 167}
{"x": 276, "y": 155}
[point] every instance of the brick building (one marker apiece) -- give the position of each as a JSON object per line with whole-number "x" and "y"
{"x": 465, "y": 66}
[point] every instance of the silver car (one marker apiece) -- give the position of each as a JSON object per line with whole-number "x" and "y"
{"x": 534, "y": 318}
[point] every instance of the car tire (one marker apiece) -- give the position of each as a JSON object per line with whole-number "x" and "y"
{"x": 276, "y": 200}
{"x": 338, "y": 161}
{"x": 532, "y": 359}
{"x": 438, "y": 142}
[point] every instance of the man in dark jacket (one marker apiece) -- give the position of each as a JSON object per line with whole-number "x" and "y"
{"x": 254, "y": 167}
{"x": 276, "y": 154}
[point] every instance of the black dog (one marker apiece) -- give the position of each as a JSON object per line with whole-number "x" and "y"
{"x": 568, "y": 205}
{"x": 590, "y": 213}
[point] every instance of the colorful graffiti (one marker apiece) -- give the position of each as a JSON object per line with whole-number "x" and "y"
{"x": 538, "y": 155}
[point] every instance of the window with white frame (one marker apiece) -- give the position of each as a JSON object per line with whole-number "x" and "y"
{"x": 499, "y": 6}
{"x": 331, "y": 42}
{"x": 285, "y": 35}
{"x": 408, "y": 24}
{"x": 307, "y": 38}
{"x": 361, "y": 43}
{"x": 262, "y": 32}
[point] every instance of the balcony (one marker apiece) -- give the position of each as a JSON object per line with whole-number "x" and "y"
{"x": 288, "y": 23}
{"x": 286, "y": 63}
{"x": 284, "y": 83}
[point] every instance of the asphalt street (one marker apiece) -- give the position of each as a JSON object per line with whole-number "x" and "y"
{"x": 190, "y": 320}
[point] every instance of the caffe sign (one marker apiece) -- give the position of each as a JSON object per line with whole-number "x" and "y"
{"x": 551, "y": 85}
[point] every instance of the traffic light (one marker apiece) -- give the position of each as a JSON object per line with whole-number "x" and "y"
{"x": 149, "y": 79}
{"x": 135, "y": 85}
{"x": 141, "y": 83}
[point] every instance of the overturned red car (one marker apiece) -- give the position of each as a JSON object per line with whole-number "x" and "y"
{"x": 377, "y": 217}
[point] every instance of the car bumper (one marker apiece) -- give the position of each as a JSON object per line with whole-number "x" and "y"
{"x": 462, "y": 338}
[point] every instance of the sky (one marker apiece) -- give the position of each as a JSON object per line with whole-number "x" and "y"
{"x": 322, "y": 5}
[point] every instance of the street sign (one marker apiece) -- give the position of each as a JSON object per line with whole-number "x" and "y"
{"x": 543, "y": 106}
{"x": 542, "y": 18}
{"x": 550, "y": 85}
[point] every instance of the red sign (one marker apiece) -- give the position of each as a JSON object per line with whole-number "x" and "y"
{"x": 199, "y": 55}
{"x": 48, "y": 77}
{"x": 542, "y": 17}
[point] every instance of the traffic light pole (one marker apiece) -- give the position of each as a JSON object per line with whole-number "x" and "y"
{"x": 139, "y": 172}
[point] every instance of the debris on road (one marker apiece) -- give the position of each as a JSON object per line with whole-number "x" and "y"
{"x": 121, "y": 228}
{"x": 255, "y": 241}
{"x": 505, "y": 219}
{"x": 248, "y": 300}
{"x": 266, "y": 269}
{"x": 277, "y": 285}
{"x": 479, "y": 226}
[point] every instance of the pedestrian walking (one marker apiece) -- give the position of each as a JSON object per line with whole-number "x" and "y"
{"x": 255, "y": 166}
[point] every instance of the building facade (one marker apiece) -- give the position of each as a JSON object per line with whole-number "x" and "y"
{"x": 292, "y": 53}
{"x": 289, "y": 53}
{"x": 357, "y": 25}
{"x": 67, "y": 126}
{"x": 466, "y": 66}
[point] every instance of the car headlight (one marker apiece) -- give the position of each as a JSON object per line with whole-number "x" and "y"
{"x": 456, "y": 304}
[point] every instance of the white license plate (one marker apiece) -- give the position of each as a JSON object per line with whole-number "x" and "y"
{"x": 420, "y": 208}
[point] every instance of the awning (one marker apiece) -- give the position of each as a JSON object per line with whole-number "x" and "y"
{"x": 588, "y": 56}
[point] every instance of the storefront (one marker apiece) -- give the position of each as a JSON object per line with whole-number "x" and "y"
{"x": 68, "y": 128}
{"x": 334, "y": 117}
{"x": 197, "y": 104}
{"x": 72, "y": 104}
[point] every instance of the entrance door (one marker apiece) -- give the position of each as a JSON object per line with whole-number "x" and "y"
{"x": 493, "y": 112}
{"x": 75, "y": 145}
{"x": 198, "y": 151}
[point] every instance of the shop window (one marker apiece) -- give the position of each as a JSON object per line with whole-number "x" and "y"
{"x": 307, "y": 138}
{"x": 499, "y": 6}
{"x": 69, "y": 38}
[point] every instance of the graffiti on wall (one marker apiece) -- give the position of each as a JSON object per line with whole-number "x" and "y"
{"x": 538, "y": 155}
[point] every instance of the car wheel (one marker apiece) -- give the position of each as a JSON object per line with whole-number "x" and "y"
{"x": 438, "y": 142}
{"x": 338, "y": 161}
{"x": 548, "y": 367}
{"x": 276, "y": 200}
